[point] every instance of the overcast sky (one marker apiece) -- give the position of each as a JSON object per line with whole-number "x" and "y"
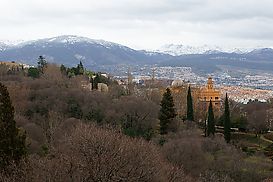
{"x": 142, "y": 24}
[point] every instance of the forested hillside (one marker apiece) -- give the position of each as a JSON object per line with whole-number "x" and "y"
{"x": 78, "y": 134}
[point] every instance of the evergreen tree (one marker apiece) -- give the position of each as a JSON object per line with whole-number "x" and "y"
{"x": 167, "y": 111}
{"x": 74, "y": 109}
{"x": 33, "y": 72}
{"x": 211, "y": 123}
{"x": 227, "y": 121}
{"x": 63, "y": 69}
{"x": 70, "y": 72}
{"x": 80, "y": 69}
{"x": 189, "y": 106}
{"x": 96, "y": 80}
{"x": 99, "y": 79}
{"x": 41, "y": 64}
{"x": 12, "y": 140}
{"x": 92, "y": 83}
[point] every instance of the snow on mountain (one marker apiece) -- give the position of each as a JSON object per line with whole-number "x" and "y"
{"x": 72, "y": 39}
{"x": 69, "y": 49}
{"x": 171, "y": 49}
{"x": 108, "y": 56}
{"x": 6, "y": 44}
{"x": 177, "y": 50}
{"x": 3, "y": 46}
{"x": 262, "y": 51}
{"x": 180, "y": 49}
{"x": 152, "y": 53}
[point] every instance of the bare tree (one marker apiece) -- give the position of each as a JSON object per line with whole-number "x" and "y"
{"x": 94, "y": 154}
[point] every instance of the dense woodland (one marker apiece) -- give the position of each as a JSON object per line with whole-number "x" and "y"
{"x": 74, "y": 134}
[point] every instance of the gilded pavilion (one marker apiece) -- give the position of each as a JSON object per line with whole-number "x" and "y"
{"x": 201, "y": 98}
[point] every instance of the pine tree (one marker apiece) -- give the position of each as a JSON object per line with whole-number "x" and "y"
{"x": 227, "y": 121}
{"x": 96, "y": 80}
{"x": 189, "y": 106}
{"x": 167, "y": 111}
{"x": 80, "y": 69}
{"x": 92, "y": 82}
{"x": 63, "y": 69}
{"x": 211, "y": 123}
{"x": 99, "y": 78}
{"x": 41, "y": 64}
{"x": 12, "y": 140}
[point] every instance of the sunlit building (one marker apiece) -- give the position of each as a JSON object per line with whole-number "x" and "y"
{"x": 202, "y": 95}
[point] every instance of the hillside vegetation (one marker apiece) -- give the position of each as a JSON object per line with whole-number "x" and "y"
{"x": 74, "y": 134}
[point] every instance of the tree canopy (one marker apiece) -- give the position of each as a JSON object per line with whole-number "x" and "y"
{"x": 12, "y": 140}
{"x": 189, "y": 106}
{"x": 167, "y": 112}
{"x": 211, "y": 123}
{"x": 227, "y": 121}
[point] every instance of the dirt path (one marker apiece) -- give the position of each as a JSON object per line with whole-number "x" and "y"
{"x": 263, "y": 138}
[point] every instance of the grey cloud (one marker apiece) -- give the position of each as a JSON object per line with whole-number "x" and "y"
{"x": 216, "y": 19}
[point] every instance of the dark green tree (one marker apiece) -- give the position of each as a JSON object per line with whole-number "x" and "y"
{"x": 70, "y": 72}
{"x": 167, "y": 111}
{"x": 41, "y": 64}
{"x": 63, "y": 69}
{"x": 99, "y": 79}
{"x": 12, "y": 139}
{"x": 227, "y": 120}
{"x": 189, "y": 106}
{"x": 33, "y": 72}
{"x": 95, "y": 115}
{"x": 211, "y": 123}
{"x": 96, "y": 80}
{"x": 80, "y": 69}
{"x": 92, "y": 82}
{"x": 74, "y": 109}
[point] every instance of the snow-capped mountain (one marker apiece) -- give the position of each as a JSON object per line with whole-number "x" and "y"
{"x": 263, "y": 51}
{"x": 70, "y": 40}
{"x": 177, "y": 50}
{"x": 3, "y": 46}
{"x": 69, "y": 49}
{"x": 180, "y": 49}
{"x": 103, "y": 55}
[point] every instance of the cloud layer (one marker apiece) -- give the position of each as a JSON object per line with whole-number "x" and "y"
{"x": 142, "y": 23}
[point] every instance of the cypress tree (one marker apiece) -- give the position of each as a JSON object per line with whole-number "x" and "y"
{"x": 80, "y": 69}
{"x": 12, "y": 140}
{"x": 41, "y": 64}
{"x": 211, "y": 124}
{"x": 92, "y": 82}
{"x": 96, "y": 80}
{"x": 189, "y": 106}
{"x": 227, "y": 121}
{"x": 167, "y": 111}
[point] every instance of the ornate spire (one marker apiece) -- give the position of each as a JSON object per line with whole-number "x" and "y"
{"x": 210, "y": 83}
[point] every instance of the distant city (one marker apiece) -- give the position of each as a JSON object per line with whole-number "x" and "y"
{"x": 240, "y": 89}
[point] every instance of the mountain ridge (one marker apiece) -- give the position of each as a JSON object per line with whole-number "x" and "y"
{"x": 102, "y": 55}
{"x": 171, "y": 49}
{"x": 181, "y": 49}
